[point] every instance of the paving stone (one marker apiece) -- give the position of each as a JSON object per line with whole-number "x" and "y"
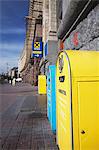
{"x": 27, "y": 130}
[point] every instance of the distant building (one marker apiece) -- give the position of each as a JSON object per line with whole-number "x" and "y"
{"x": 13, "y": 73}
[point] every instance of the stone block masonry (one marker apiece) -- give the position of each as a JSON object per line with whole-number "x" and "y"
{"x": 92, "y": 45}
{"x": 86, "y": 34}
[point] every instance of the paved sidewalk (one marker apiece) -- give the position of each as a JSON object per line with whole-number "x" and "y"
{"x": 24, "y": 125}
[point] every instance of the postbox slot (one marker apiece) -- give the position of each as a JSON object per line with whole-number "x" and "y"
{"x": 62, "y": 78}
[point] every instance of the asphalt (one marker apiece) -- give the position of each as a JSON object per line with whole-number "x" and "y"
{"x": 24, "y": 124}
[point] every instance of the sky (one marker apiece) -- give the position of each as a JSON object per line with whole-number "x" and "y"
{"x": 12, "y": 32}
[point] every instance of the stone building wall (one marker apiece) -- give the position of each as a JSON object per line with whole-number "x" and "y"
{"x": 45, "y": 20}
{"x": 49, "y": 34}
{"x": 26, "y": 67}
{"x": 86, "y": 34}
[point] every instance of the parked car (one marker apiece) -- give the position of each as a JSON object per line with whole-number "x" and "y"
{"x": 19, "y": 80}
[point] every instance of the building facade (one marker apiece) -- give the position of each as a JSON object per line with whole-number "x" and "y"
{"x": 75, "y": 25}
{"x": 59, "y": 24}
{"x": 28, "y": 66}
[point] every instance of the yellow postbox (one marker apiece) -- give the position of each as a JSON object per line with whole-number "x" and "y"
{"x": 42, "y": 84}
{"x": 77, "y": 101}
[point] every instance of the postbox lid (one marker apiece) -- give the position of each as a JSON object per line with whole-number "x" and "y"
{"x": 83, "y": 62}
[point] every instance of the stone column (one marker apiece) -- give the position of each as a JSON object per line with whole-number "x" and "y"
{"x": 52, "y": 20}
{"x": 45, "y": 19}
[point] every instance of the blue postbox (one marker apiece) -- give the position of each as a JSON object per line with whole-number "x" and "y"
{"x": 51, "y": 96}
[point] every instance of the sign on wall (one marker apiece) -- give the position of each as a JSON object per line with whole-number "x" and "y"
{"x": 37, "y": 49}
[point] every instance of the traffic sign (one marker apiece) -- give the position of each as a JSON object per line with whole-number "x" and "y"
{"x": 37, "y": 55}
{"x": 37, "y": 46}
{"x": 37, "y": 49}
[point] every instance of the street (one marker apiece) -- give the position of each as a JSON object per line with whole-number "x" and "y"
{"x": 49, "y": 75}
{"x": 24, "y": 123}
